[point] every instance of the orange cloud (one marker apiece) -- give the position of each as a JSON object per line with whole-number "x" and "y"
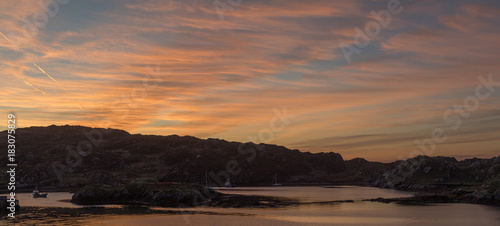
{"x": 224, "y": 78}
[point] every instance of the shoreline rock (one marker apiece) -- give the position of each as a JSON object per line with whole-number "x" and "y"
{"x": 171, "y": 195}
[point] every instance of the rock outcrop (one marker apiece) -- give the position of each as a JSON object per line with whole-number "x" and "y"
{"x": 470, "y": 180}
{"x": 75, "y": 156}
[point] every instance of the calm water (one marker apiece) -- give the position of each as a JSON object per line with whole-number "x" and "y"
{"x": 319, "y": 194}
{"x": 54, "y": 199}
{"x": 357, "y": 213}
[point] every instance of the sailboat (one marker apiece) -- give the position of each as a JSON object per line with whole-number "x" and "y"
{"x": 206, "y": 179}
{"x": 228, "y": 184}
{"x": 37, "y": 194}
{"x": 276, "y": 180}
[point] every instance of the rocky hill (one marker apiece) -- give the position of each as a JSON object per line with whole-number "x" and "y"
{"x": 471, "y": 180}
{"x": 74, "y": 156}
{"x": 70, "y": 157}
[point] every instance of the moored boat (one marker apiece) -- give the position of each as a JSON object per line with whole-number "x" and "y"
{"x": 228, "y": 184}
{"x": 37, "y": 194}
{"x": 276, "y": 180}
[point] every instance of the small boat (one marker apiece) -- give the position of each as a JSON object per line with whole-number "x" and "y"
{"x": 37, "y": 194}
{"x": 206, "y": 179}
{"x": 228, "y": 184}
{"x": 276, "y": 180}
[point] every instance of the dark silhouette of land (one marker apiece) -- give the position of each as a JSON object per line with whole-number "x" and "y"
{"x": 99, "y": 164}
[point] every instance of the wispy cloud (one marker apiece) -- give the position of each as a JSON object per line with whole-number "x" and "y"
{"x": 225, "y": 77}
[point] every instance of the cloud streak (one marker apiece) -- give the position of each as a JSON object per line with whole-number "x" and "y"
{"x": 223, "y": 78}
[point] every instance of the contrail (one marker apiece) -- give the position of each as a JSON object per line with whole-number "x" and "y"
{"x": 47, "y": 75}
{"x": 57, "y": 83}
{"x": 27, "y": 83}
{"x": 51, "y": 78}
{"x": 5, "y": 37}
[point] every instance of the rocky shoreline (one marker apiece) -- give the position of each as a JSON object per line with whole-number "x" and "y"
{"x": 121, "y": 159}
{"x": 192, "y": 195}
{"x": 172, "y": 195}
{"x": 441, "y": 197}
{"x": 444, "y": 179}
{"x": 58, "y": 215}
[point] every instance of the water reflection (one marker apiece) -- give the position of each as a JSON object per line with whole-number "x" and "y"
{"x": 355, "y": 213}
{"x": 319, "y": 194}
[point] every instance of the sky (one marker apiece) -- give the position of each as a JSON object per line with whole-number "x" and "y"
{"x": 318, "y": 76}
